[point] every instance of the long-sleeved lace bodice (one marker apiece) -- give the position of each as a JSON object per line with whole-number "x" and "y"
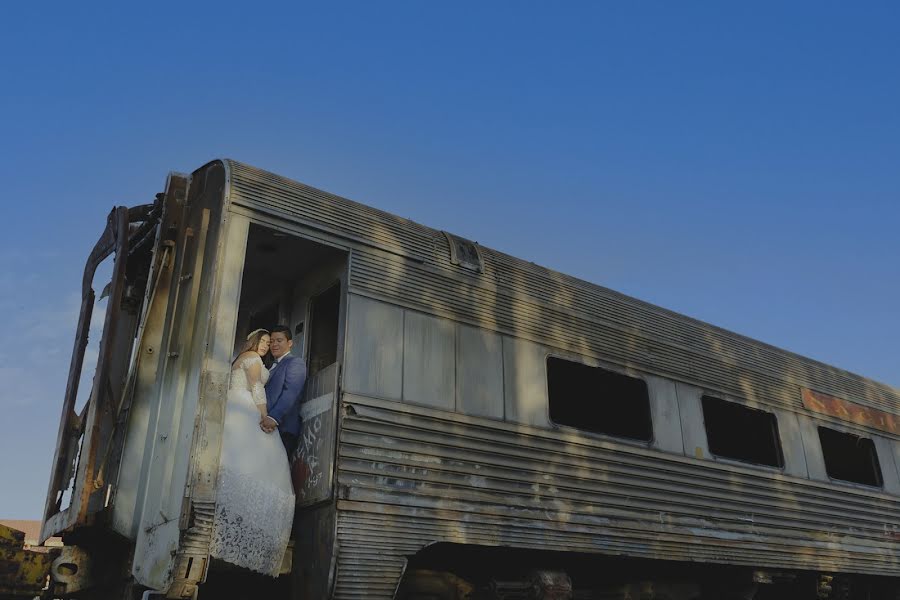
{"x": 250, "y": 374}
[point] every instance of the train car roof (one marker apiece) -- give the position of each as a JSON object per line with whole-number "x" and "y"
{"x": 833, "y": 388}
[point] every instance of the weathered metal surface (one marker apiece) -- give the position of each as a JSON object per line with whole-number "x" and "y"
{"x": 374, "y": 355}
{"x": 11, "y": 538}
{"x": 70, "y": 461}
{"x": 88, "y": 444}
{"x": 429, "y": 360}
{"x": 192, "y": 557}
{"x": 479, "y": 373}
{"x": 850, "y": 411}
{"x": 410, "y": 264}
{"x": 409, "y": 477}
{"x": 313, "y": 463}
{"x": 426, "y": 338}
{"x": 163, "y": 547}
{"x": 130, "y": 486}
{"x": 72, "y": 571}
{"x": 314, "y": 551}
{"x": 542, "y": 585}
{"x": 23, "y": 573}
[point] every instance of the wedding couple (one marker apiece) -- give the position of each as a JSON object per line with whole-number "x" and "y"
{"x": 255, "y": 498}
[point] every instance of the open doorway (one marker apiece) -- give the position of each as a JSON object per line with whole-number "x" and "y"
{"x": 297, "y": 283}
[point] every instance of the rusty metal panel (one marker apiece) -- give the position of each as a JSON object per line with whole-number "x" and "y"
{"x": 175, "y": 430}
{"x": 23, "y": 572}
{"x": 83, "y": 438}
{"x": 850, "y": 411}
{"x": 130, "y": 485}
{"x": 409, "y": 479}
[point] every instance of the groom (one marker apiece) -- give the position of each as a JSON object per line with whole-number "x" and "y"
{"x": 286, "y": 379}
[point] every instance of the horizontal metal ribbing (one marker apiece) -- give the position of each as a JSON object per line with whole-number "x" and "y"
{"x": 666, "y": 324}
{"x": 415, "y": 528}
{"x": 556, "y": 329}
{"x": 686, "y": 487}
{"x": 257, "y": 188}
{"x": 432, "y": 479}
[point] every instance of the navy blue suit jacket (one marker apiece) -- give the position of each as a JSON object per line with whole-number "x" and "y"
{"x": 283, "y": 393}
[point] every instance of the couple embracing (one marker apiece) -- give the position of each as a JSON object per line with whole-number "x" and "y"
{"x": 255, "y": 498}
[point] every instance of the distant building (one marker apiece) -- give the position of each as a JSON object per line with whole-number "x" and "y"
{"x": 32, "y": 531}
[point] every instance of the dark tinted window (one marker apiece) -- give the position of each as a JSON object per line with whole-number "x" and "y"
{"x": 598, "y": 400}
{"x": 850, "y": 457}
{"x": 742, "y": 433}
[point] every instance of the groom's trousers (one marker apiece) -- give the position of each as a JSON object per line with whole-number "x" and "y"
{"x": 290, "y": 443}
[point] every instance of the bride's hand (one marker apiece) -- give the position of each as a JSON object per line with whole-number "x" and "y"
{"x": 268, "y": 424}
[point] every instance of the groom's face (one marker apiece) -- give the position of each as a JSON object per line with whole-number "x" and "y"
{"x": 279, "y": 345}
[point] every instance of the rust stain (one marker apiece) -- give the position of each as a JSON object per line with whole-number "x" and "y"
{"x": 849, "y": 411}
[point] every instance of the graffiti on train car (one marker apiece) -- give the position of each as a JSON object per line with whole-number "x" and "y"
{"x": 849, "y": 411}
{"x": 313, "y": 460}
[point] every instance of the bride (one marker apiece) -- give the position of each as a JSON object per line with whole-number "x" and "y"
{"x": 255, "y": 499}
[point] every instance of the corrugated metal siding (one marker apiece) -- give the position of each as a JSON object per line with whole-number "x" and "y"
{"x": 263, "y": 190}
{"x": 519, "y": 298}
{"x": 370, "y": 561}
{"x": 413, "y": 476}
{"x": 687, "y": 333}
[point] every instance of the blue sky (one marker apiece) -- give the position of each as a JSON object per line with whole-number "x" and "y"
{"x": 737, "y": 162}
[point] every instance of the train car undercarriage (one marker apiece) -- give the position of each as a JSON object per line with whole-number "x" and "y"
{"x": 460, "y": 572}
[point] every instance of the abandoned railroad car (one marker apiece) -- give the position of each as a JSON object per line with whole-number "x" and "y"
{"x": 475, "y": 425}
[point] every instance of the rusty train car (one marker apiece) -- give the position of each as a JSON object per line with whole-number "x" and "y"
{"x": 475, "y": 425}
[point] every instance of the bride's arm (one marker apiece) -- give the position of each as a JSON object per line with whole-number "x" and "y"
{"x": 257, "y": 389}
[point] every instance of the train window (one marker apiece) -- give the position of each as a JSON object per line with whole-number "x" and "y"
{"x": 741, "y": 433}
{"x": 597, "y": 400}
{"x": 850, "y": 457}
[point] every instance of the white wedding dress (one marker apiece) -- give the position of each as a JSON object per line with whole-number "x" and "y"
{"x": 255, "y": 498}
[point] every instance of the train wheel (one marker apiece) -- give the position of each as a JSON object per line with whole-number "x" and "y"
{"x": 421, "y": 584}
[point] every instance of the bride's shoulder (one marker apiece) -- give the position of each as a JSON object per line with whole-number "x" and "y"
{"x": 248, "y": 358}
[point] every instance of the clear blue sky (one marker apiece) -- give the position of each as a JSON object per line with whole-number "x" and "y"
{"x": 737, "y": 162}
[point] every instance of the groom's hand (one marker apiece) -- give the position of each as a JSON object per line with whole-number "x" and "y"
{"x": 268, "y": 424}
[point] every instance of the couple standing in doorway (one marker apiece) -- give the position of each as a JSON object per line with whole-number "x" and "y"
{"x": 255, "y": 498}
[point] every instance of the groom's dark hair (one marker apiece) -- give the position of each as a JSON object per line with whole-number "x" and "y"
{"x": 282, "y": 329}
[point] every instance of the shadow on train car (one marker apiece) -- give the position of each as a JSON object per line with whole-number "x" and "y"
{"x": 464, "y": 572}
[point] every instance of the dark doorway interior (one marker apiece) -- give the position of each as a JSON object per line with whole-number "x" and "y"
{"x": 323, "y": 330}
